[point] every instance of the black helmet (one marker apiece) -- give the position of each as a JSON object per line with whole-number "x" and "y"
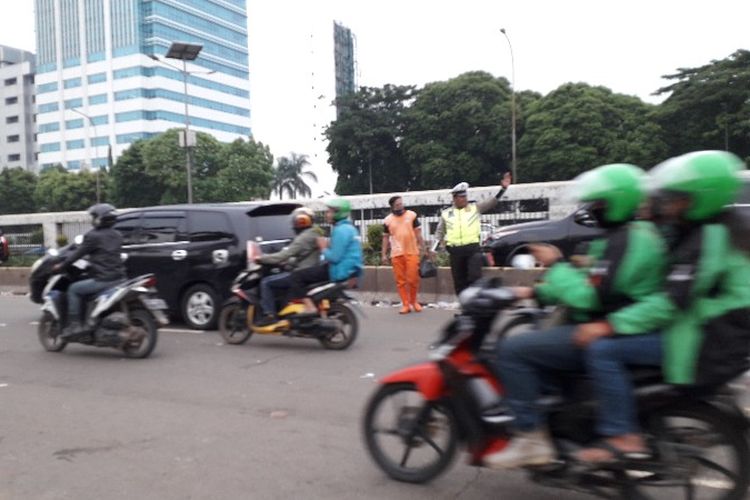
{"x": 103, "y": 215}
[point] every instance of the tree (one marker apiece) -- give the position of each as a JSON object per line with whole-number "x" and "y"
{"x": 60, "y": 191}
{"x": 459, "y": 130}
{"x": 290, "y": 175}
{"x": 17, "y": 191}
{"x": 365, "y": 141}
{"x": 246, "y": 173}
{"x": 708, "y": 107}
{"x": 577, "y": 127}
{"x": 131, "y": 186}
{"x": 164, "y": 162}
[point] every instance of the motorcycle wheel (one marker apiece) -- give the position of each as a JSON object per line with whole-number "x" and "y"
{"x": 148, "y": 333}
{"x": 346, "y": 336}
{"x": 414, "y": 452}
{"x": 233, "y": 324}
{"x": 49, "y": 331}
{"x": 710, "y": 445}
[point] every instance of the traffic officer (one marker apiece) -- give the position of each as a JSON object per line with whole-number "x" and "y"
{"x": 460, "y": 229}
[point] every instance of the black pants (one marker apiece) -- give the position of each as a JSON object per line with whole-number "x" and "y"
{"x": 466, "y": 266}
{"x": 300, "y": 280}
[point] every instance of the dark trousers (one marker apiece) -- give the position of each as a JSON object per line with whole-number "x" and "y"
{"x": 300, "y": 280}
{"x": 466, "y": 266}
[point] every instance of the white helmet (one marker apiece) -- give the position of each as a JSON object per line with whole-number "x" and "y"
{"x": 460, "y": 188}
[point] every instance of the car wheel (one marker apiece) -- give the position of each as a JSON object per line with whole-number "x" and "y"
{"x": 200, "y": 307}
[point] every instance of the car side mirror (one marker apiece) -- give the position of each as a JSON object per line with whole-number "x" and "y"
{"x": 584, "y": 218}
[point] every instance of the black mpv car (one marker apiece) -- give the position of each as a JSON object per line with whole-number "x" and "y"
{"x": 196, "y": 251}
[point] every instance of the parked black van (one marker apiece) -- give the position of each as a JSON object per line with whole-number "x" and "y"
{"x": 196, "y": 251}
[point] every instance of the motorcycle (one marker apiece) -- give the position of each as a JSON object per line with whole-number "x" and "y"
{"x": 125, "y": 316}
{"x": 419, "y": 416}
{"x": 335, "y": 324}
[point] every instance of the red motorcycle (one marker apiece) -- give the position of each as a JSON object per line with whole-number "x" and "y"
{"x": 420, "y": 416}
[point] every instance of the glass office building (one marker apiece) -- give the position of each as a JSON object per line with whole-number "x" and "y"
{"x": 98, "y": 87}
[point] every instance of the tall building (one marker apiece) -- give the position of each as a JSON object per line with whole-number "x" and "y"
{"x": 344, "y": 60}
{"x": 17, "y": 118}
{"x": 98, "y": 86}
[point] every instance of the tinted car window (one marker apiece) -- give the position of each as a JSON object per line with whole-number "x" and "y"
{"x": 128, "y": 225}
{"x": 209, "y": 226}
{"x": 162, "y": 227}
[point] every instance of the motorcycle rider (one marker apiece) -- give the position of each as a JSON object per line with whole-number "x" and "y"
{"x": 707, "y": 293}
{"x": 342, "y": 256}
{"x": 102, "y": 248}
{"x": 302, "y": 253}
{"x": 616, "y": 294}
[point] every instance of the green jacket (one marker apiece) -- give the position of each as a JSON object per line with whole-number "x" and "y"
{"x": 301, "y": 253}
{"x": 623, "y": 285}
{"x": 709, "y": 279}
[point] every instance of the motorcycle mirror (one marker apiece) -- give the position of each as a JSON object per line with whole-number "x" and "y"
{"x": 78, "y": 239}
{"x": 523, "y": 261}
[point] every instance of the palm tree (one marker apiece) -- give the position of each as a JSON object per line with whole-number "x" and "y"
{"x": 290, "y": 176}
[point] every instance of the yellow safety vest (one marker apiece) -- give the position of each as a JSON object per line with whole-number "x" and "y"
{"x": 462, "y": 226}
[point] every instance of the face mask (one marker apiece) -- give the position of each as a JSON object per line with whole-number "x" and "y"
{"x": 398, "y": 212}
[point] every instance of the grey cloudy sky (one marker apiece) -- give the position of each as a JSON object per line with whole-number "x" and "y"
{"x": 624, "y": 45}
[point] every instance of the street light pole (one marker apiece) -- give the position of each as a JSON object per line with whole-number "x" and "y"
{"x": 186, "y": 52}
{"x": 188, "y": 156}
{"x": 96, "y": 151}
{"x": 512, "y": 105}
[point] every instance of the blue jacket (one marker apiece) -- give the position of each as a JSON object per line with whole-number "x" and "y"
{"x": 345, "y": 253}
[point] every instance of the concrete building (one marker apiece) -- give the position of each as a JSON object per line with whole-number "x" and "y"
{"x": 17, "y": 113}
{"x": 99, "y": 87}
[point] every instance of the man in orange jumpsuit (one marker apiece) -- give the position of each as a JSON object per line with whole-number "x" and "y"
{"x": 403, "y": 236}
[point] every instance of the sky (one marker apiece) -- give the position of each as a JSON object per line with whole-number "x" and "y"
{"x": 626, "y": 46}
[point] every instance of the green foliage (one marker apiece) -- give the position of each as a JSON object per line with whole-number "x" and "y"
{"x": 60, "y": 191}
{"x": 245, "y": 173}
{"x": 375, "y": 237}
{"x": 152, "y": 171}
{"x": 20, "y": 261}
{"x": 459, "y": 130}
{"x": 709, "y": 107}
{"x": 364, "y": 142}
{"x": 61, "y": 241}
{"x": 578, "y": 127}
{"x": 17, "y": 191}
{"x": 37, "y": 236}
{"x": 290, "y": 174}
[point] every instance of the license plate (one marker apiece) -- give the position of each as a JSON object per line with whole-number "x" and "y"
{"x": 155, "y": 304}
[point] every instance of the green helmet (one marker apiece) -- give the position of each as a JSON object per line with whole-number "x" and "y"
{"x": 709, "y": 178}
{"x": 341, "y": 207}
{"x": 619, "y": 186}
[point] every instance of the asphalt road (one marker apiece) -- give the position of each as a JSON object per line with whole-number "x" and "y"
{"x": 275, "y": 418}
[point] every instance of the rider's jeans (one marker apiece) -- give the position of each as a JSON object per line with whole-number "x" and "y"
{"x": 524, "y": 360}
{"x": 607, "y": 360}
{"x": 81, "y": 289}
{"x": 267, "y": 295}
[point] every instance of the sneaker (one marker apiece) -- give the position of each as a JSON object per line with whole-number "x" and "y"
{"x": 74, "y": 329}
{"x": 267, "y": 320}
{"x": 526, "y": 448}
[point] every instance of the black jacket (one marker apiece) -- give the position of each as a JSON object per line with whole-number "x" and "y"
{"x": 103, "y": 247}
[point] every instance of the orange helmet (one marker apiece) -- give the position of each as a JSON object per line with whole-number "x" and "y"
{"x": 302, "y": 218}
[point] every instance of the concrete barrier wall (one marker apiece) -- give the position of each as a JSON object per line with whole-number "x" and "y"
{"x": 378, "y": 282}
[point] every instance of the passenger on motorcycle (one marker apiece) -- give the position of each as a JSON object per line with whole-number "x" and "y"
{"x": 614, "y": 296}
{"x": 707, "y": 291}
{"x": 342, "y": 256}
{"x": 102, "y": 248}
{"x": 301, "y": 253}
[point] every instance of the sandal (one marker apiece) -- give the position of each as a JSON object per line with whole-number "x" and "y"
{"x": 616, "y": 454}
